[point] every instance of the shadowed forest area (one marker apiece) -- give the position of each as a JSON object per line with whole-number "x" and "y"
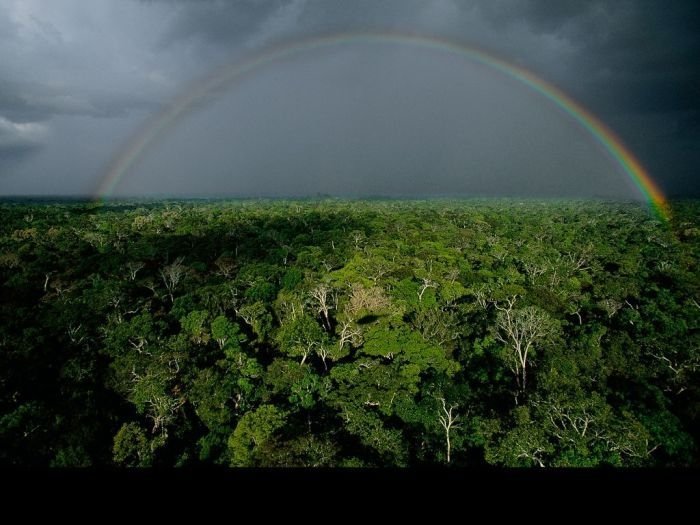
{"x": 349, "y": 333}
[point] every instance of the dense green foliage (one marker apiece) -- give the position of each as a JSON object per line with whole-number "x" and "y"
{"x": 332, "y": 333}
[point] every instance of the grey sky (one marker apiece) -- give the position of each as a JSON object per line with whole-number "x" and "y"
{"x": 78, "y": 78}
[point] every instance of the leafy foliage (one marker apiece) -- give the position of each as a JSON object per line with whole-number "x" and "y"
{"x": 334, "y": 333}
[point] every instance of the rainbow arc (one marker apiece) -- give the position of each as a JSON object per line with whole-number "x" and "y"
{"x": 187, "y": 101}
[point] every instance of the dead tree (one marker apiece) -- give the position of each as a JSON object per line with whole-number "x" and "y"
{"x": 427, "y": 283}
{"x": 519, "y": 329}
{"x": 172, "y": 274}
{"x": 323, "y": 297}
{"x": 448, "y": 421}
{"x": 134, "y": 268}
{"x": 348, "y": 334}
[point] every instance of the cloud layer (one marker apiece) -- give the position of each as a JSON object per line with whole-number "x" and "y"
{"x": 20, "y": 138}
{"x": 106, "y": 65}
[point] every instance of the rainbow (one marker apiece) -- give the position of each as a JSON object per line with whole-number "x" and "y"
{"x": 222, "y": 76}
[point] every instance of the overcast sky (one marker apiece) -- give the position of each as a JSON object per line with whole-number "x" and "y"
{"x": 78, "y": 78}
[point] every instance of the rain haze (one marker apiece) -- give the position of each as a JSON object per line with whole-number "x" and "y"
{"x": 355, "y": 118}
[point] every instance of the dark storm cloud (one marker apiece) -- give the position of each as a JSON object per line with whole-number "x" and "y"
{"x": 60, "y": 60}
{"x": 618, "y": 47}
{"x": 236, "y": 21}
{"x": 33, "y": 101}
{"x": 634, "y": 55}
{"x": 635, "y": 63}
{"x": 620, "y": 58}
{"x": 219, "y": 22}
{"x": 19, "y": 140}
{"x": 632, "y": 62}
{"x": 688, "y": 127}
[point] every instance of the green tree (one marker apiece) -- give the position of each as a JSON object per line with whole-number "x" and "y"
{"x": 253, "y": 431}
